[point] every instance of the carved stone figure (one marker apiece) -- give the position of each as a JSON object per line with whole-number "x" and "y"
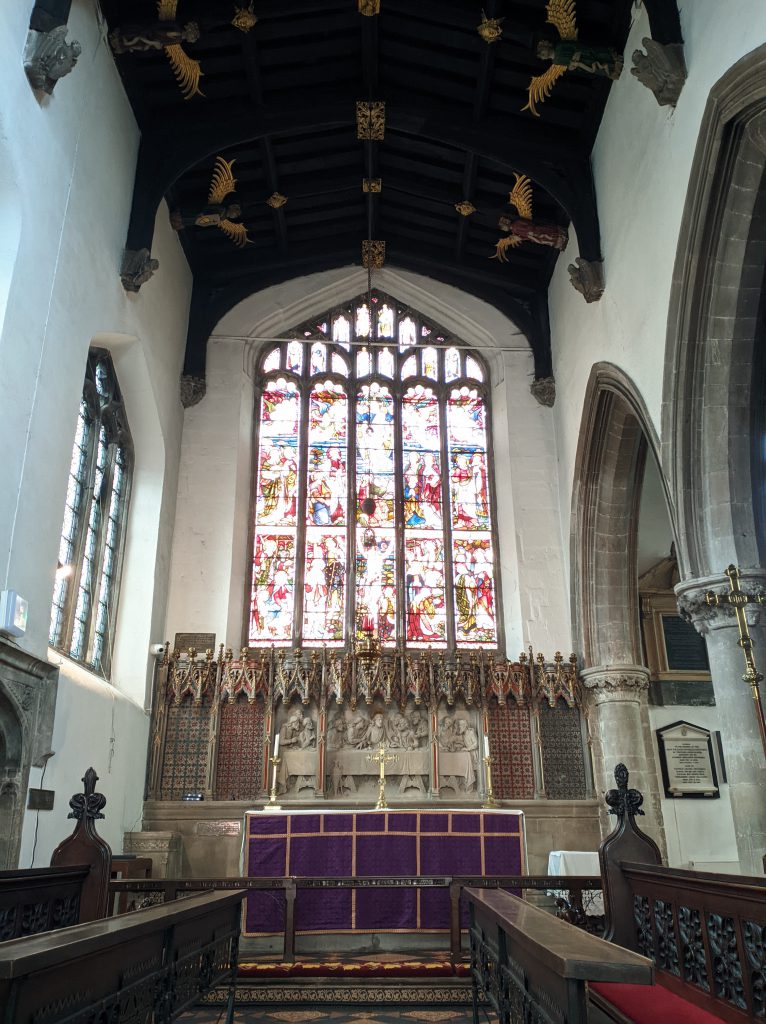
{"x": 191, "y": 390}
{"x": 137, "y": 267}
{"x": 374, "y": 734}
{"x": 336, "y": 733}
{"x": 356, "y": 728}
{"x": 297, "y": 745}
{"x": 458, "y": 741}
{"x": 155, "y": 36}
{"x": 544, "y": 390}
{"x": 662, "y": 69}
{"x": 587, "y": 278}
{"x": 48, "y": 57}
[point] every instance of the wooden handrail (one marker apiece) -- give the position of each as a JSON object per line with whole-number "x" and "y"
{"x": 159, "y": 961}
{"x": 529, "y": 964}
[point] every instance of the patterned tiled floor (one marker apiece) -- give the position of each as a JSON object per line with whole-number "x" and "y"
{"x": 259, "y": 1016}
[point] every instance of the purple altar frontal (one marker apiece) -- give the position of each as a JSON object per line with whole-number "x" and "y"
{"x": 391, "y": 844}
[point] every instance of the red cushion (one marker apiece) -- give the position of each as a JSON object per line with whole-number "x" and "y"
{"x": 652, "y": 1004}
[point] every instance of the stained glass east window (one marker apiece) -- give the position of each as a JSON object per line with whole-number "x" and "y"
{"x": 373, "y": 505}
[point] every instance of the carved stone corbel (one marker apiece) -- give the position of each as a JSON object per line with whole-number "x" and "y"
{"x": 137, "y": 267}
{"x": 587, "y": 278}
{"x": 192, "y": 390}
{"x": 662, "y": 69}
{"x": 544, "y": 390}
{"x": 48, "y": 57}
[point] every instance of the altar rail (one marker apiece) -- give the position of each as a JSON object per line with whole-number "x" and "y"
{"x": 163, "y": 890}
{"x": 706, "y": 934}
{"x": 150, "y": 965}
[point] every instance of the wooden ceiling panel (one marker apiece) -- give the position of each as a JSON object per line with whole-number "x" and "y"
{"x": 280, "y": 101}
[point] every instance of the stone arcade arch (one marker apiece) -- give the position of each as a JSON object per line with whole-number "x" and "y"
{"x": 10, "y": 782}
{"x": 616, "y": 438}
{"x": 712, "y": 410}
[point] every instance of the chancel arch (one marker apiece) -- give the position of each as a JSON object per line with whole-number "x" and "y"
{"x": 327, "y": 698}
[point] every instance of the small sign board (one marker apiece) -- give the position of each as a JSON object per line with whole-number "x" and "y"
{"x": 686, "y": 758}
{"x": 40, "y": 799}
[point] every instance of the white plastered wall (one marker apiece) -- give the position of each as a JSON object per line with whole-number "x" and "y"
{"x": 69, "y": 162}
{"x": 641, "y": 164}
{"x": 211, "y": 561}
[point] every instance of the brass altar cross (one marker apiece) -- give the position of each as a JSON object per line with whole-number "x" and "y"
{"x": 382, "y": 758}
{"x": 739, "y": 601}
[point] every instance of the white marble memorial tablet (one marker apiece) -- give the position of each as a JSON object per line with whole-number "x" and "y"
{"x": 686, "y": 756}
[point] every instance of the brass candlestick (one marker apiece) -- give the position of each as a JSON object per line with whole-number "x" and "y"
{"x": 490, "y": 801}
{"x": 272, "y": 805}
{"x": 382, "y": 758}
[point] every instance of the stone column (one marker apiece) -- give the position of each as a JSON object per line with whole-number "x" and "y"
{"x": 742, "y": 747}
{"x": 617, "y": 698}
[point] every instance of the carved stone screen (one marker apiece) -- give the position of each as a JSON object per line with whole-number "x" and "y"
{"x": 510, "y": 744}
{"x": 239, "y": 768}
{"x": 563, "y": 756}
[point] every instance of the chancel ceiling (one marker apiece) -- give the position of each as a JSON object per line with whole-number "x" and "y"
{"x": 252, "y": 131}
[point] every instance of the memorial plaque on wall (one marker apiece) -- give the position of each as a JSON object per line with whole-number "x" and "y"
{"x": 685, "y": 649}
{"x": 686, "y": 757}
{"x": 199, "y": 641}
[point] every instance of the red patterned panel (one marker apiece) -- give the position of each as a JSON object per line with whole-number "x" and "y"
{"x": 510, "y": 744}
{"x": 240, "y": 751}
{"x": 185, "y": 763}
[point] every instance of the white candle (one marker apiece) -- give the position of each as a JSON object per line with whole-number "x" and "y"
{"x": 276, "y": 745}
{"x": 486, "y": 745}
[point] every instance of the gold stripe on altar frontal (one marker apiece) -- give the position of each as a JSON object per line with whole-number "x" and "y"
{"x": 378, "y": 832}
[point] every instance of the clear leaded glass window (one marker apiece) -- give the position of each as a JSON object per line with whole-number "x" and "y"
{"x": 84, "y": 609}
{"x": 373, "y": 512}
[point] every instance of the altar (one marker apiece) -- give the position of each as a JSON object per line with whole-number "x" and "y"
{"x": 393, "y": 844}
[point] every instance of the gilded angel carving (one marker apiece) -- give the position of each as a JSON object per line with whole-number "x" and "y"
{"x": 523, "y": 228}
{"x": 217, "y": 213}
{"x": 568, "y": 55}
{"x": 165, "y": 34}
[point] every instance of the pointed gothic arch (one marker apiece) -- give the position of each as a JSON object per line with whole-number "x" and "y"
{"x": 712, "y": 419}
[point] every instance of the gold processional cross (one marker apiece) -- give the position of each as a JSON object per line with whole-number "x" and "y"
{"x": 739, "y": 600}
{"x": 382, "y": 758}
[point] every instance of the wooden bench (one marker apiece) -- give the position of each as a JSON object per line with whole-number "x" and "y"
{"x": 39, "y": 900}
{"x": 149, "y": 965}
{"x": 75, "y": 888}
{"x": 706, "y": 933}
{"x": 529, "y": 965}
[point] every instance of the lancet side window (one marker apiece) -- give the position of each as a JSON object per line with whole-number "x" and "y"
{"x": 373, "y": 512}
{"x": 84, "y": 608}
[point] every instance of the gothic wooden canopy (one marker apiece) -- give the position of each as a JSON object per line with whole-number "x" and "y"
{"x": 280, "y": 100}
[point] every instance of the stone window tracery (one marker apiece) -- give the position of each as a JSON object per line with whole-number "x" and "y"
{"x": 85, "y": 593}
{"x": 373, "y": 511}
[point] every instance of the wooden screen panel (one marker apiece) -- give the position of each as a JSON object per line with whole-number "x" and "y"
{"x": 239, "y": 770}
{"x": 510, "y": 744}
{"x": 563, "y": 754}
{"x": 184, "y": 766}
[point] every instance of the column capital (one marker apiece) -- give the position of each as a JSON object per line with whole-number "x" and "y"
{"x": 616, "y": 682}
{"x": 693, "y": 605}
